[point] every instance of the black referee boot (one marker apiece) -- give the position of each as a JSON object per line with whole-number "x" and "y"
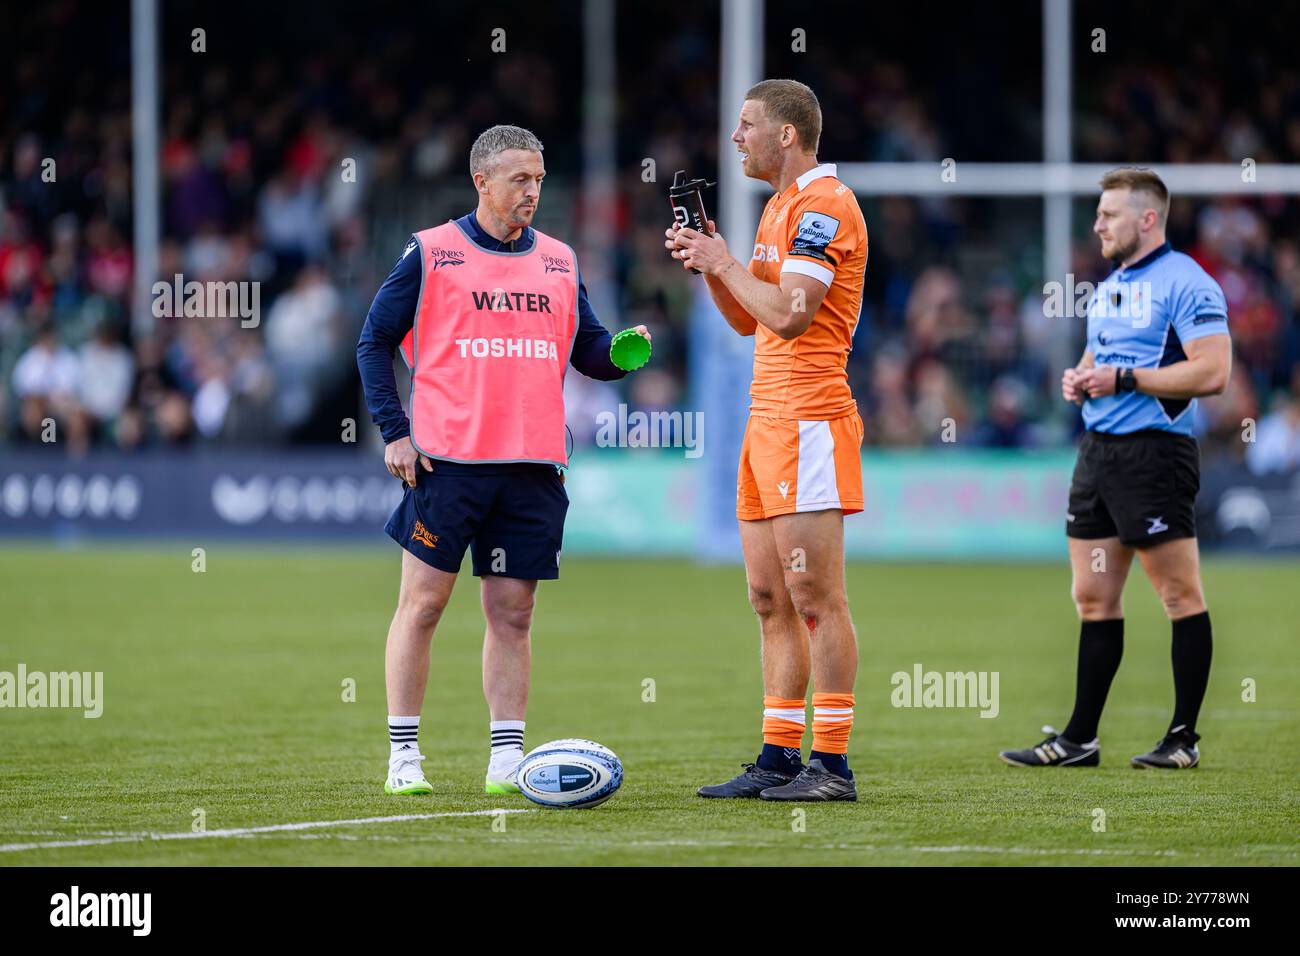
{"x": 1177, "y": 751}
{"x": 1055, "y": 751}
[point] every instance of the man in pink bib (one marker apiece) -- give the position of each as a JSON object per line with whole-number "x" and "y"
{"x": 488, "y": 314}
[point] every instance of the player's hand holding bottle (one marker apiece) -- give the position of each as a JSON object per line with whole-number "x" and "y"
{"x": 674, "y": 245}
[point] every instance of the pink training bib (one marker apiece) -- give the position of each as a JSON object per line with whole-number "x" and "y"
{"x": 489, "y": 349}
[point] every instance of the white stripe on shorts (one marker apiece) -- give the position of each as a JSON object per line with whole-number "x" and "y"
{"x": 816, "y": 489}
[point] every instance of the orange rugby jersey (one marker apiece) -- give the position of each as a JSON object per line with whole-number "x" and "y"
{"x": 814, "y": 228}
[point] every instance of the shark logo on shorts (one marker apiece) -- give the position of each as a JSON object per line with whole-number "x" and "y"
{"x": 421, "y": 534}
{"x": 784, "y": 488}
{"x": 1157, "y": 525}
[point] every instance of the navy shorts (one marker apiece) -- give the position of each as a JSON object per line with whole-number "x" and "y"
{"x": 511, "y": 516}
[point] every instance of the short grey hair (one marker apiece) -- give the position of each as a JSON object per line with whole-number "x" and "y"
{"x": 496, "y": 140}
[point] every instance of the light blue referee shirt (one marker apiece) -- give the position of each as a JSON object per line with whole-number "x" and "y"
{"x": 1140, "y": 317}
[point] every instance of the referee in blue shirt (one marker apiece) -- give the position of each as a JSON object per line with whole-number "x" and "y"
{"x": 1157, "y": 340}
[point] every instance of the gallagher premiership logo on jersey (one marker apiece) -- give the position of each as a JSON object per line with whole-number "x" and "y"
{"x": 446, "y": 257}
{"x": 816, "y": 231}
{"x": 556, "y": 264}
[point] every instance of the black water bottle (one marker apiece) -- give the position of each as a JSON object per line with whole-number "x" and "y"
{"x": 688, "y": 203}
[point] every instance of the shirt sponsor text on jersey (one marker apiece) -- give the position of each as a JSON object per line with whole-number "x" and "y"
{"x": 499, "y": 300}
{"x": 508, "y": 348}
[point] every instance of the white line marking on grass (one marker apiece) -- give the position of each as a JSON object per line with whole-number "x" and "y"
{"x": 250, "y": 831}
{"x": 1042, "y": 851}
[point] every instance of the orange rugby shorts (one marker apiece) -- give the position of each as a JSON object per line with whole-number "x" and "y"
{"x": 787, "y": 465}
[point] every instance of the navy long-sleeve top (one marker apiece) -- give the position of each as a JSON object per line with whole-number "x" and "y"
{"x": 392, "y": 314}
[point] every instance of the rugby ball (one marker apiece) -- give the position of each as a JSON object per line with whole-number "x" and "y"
{"x": 569, "y": 773}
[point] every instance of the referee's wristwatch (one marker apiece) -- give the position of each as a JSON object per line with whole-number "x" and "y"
{"x": 1125, "y": 380}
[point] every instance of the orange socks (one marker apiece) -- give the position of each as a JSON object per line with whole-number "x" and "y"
{"x": 832, "y": 723}
{"x": 784, "y": 722}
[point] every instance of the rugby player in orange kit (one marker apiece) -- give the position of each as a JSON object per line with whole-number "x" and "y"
{"x": 800, "y": 465}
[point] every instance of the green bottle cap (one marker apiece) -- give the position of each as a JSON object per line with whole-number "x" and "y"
{"x": 629, "y": 350}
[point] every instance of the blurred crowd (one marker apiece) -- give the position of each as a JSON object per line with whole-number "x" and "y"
{"x": 299, "y": 156}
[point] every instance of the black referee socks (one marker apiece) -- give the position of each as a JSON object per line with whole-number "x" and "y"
{"x": 1101, "y": 645}
{"x": 1190, "y": 652}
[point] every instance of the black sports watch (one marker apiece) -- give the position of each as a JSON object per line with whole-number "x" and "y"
{"x": 1125, "y": 380}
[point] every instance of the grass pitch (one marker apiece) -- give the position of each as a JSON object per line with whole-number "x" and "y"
{"x": 224, "y": 693}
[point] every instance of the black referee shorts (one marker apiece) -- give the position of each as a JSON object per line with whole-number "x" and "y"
{"x": 1140, "y": 487}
